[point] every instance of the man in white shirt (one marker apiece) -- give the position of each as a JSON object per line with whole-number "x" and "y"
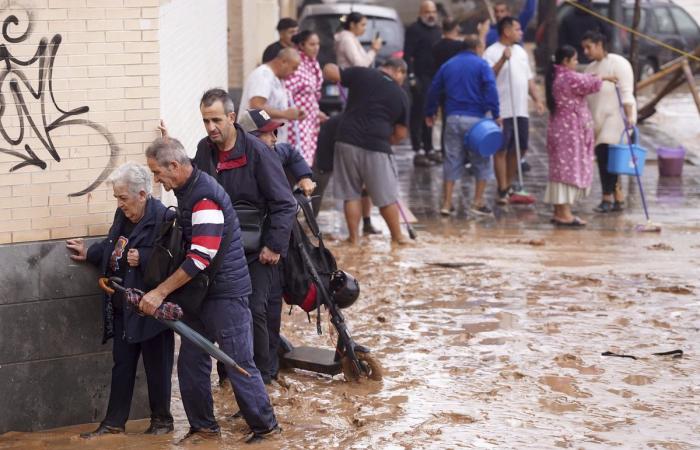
{"x": 265, "y": 90}
{"x": 511, "y": 64}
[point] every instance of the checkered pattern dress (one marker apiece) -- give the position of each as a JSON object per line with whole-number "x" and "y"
{"x": 304, "y": 88}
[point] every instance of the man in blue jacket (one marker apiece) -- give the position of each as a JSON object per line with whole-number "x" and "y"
{"x": 210, "y": 228}
{"x": 468, "y": 86}
{"x": 249, "y": 172}
{"x": 501, "y": 10}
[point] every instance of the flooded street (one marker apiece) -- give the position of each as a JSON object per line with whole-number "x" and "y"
{"x": 491, "y": 332}
{"x": 492, "y": 339}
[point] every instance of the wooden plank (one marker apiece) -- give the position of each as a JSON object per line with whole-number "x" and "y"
{"x": 659, "y": 75}
{"x": 691, "y": 83}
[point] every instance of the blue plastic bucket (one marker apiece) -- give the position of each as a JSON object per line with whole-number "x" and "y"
{"x": 485, "y": 137}
{"x": 619, "y": 157}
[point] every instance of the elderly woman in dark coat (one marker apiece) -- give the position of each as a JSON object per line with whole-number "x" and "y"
{"x": 124, "y": 254}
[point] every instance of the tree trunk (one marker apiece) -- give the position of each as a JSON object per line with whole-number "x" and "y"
{"x": 634, "y": 42}
{"x": 615, "y": 14}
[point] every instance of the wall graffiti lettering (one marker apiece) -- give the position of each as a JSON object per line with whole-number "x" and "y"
{"x": 20, "y": 86}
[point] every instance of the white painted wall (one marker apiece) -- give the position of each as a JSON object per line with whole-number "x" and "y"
{"x": 193, "y": 58}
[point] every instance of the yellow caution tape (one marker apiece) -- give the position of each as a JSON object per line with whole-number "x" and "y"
{"x": 633, "y": 31}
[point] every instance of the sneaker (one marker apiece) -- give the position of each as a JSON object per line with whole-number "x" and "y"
{"x": 257, "y": 437}
{"x": 420, "y": 160}
{"x": 435, "y": 157}
{"x": 604, "y": 207}
{"x": 503, "y": 196}
{"x": 482, "y": 210}
{"x": 525, "y": 166}
{"x": 618, "y": 206}
{"x": 447, "y": 212}
{"x": 196, "y": 436}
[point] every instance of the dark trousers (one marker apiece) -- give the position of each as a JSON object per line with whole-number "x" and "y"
{"x": 608, "y": 180}
{"x": 227, "y": 321}
{"x": 158, "y": 363}
{"x": 274, "y": 323}
{"x": 421, "y": 134}
{"x": 322, "y": 178}
{"x": 265, "y": 279}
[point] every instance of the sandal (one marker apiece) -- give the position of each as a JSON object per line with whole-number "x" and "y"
{"x": 447, "y": 212}
{"x": 576, "y": 223}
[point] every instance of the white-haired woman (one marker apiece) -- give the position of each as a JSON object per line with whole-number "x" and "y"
{"x": 124, "y": 254}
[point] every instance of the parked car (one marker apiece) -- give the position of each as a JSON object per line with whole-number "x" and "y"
{"x": 325, "y": 21}
{"x": 661, "y": 19}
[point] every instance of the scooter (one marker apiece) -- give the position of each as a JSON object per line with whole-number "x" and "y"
{"x": 350, "y": 358}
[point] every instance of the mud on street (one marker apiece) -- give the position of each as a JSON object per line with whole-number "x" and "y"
{"x": 490, "y": 340}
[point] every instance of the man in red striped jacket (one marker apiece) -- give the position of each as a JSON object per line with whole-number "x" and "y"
{"x": 208, "y": 220}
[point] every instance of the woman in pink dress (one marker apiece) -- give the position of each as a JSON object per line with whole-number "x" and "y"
{"x": 569, "y": 135}
{"x": 304, "y": 88}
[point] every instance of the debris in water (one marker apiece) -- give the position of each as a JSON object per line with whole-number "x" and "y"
{"x": 681, "y": 290}
{"x": 661, "y": 247}
{"x": 533, "y": 242}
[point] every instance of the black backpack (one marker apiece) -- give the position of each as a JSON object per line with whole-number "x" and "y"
{"x": 308, "y": 267}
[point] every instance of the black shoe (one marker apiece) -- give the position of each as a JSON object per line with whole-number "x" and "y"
{"x": 435, "y": 157}
{"x": 604, "y": 207}
{"x": 257, "y": 437}
{"x": 618, "y": 206}
{"x": 196, "y": 436}
{"x": 158, "y": 428}
{"x": 525, "y": 166}
{"x": 101, "y": 430}
{"x": 420, "y": 160}
{"x": 481, "y": 210}
{"x": 367, "y": 228}
{"x": 237, "y": 415}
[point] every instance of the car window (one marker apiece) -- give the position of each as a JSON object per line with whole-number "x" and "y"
{"x": 327, "y": 25}
{"x": 685, "y": 24}
{"x": 664, "y": 23}
{"x": 629, "y": 17}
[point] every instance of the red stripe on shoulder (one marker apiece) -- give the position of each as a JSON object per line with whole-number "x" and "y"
{"x": 206, "y": 204}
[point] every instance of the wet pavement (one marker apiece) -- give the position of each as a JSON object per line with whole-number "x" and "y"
{"x": 491, "y": 330}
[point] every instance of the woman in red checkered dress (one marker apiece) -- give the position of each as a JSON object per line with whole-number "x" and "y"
{"x": 304, "y": 88}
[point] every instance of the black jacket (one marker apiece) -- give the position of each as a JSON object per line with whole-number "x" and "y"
{"x": 253, "y": 173}
{"x": 418, "y": 48}
{"x": 137, "y": 328}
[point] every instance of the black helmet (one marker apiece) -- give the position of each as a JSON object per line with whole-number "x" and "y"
{"x": 344, "y": 288}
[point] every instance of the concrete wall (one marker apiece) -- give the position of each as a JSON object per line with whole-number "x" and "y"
{"x": 252, "y": 26}
{"x": 53, "y": 369}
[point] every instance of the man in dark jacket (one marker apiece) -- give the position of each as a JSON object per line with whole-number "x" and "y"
{"x": 249, "y": 172}
{"x": 124, "y": 253}
{"x": 286, "y": 27}
{"x": 418, "y": 53}
{"x": 209, "y": 221}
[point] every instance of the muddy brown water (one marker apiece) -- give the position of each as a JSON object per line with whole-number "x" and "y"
{"x": 490, "y": 339}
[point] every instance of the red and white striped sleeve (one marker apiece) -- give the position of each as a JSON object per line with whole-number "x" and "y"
{"x": 207, "y": 232}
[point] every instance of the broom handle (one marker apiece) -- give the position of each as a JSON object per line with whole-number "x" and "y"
{"x": 515, "y": 122}
{"x": 629, "y": 144}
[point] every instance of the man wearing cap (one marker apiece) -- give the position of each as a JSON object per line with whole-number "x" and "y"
{"x": 250, "y": 173}
{"x": 259, "y": 124}
{"x": 376, "y": 116}
{"x": 286, "y": 27}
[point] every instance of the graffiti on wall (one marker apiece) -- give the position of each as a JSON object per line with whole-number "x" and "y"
{"x": 23, "y": 89}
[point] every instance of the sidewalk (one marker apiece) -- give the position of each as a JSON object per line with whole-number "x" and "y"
{"x": 671, "y": 201}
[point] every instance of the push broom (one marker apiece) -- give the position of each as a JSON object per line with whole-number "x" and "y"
{"x": 520, "y": 196}
{"x": 648, "y": 226}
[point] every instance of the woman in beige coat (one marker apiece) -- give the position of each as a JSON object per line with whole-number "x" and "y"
{"x": 607, "y": 118}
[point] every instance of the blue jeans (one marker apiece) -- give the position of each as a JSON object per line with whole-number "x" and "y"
{"x": 456, "y": 126}
{"x": 228, "y": 322}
